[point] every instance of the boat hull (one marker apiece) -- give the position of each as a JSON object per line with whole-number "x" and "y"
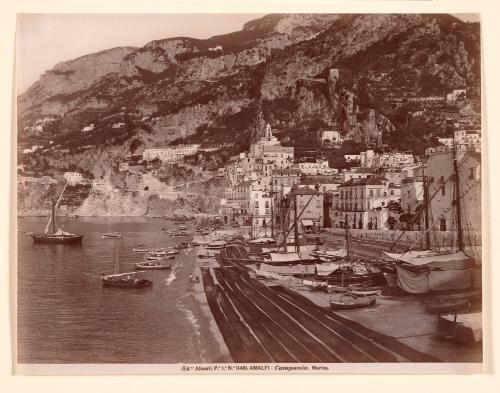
{"x": 127, "y": 284}
{"x": 57, "y": 239}
{"x": 152, "y": 267}
{"x": 352, "y": 304}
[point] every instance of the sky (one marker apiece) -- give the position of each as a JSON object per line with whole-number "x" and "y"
{"x": 43, "y": 40}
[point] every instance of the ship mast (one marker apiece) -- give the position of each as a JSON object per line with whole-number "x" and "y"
{"x": 296, "y": 228}
{"x": 426, "y": 211}
{"x": 457, "y": 198}
{"x": 347, "y": 236}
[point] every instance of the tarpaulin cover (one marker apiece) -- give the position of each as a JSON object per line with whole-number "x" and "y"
{"x": 262, "y": 240}
{"x": 472, "y": 321}
{"x": 289, "y": 248}
{"x": 454, "y": 260}
{"x": 442, "y": 280}
{"x": 324, "y": 269}
{"x": 333, "y": 253}
{"x": 284, "y": 269}
{"x": 434, "y": 280}
{"x": 307, "y": 223}
{"x": 413, "y": 282}
{"x": 287, "y": 257}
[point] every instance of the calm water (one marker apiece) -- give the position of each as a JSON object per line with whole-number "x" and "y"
{"x": 65, "y": 316}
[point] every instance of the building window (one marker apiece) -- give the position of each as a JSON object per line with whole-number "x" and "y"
{"x": 442, "y": 224}
{"x": 371, "y": 193}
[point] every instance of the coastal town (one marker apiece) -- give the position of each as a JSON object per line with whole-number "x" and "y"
{"x": 260, "y": 210}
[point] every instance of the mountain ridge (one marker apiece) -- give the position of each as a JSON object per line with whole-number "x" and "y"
{"x": 278, "y": 69}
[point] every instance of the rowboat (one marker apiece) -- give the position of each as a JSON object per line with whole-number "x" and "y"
{"x": 150, "y": 265}
{"x": 349, "y": 302}
{"x": 366, "y": 292}
{"x": 112, "y": 235}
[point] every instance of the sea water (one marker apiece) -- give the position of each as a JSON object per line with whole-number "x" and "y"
{"x": 66, "y": 316}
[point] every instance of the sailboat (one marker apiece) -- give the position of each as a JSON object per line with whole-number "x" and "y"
{"x": 56, "y": 235}
{"x": 123, "y": 280}
{"x": 421, "y": 271}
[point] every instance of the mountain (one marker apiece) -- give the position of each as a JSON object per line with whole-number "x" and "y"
{"x": 299, "y": 72}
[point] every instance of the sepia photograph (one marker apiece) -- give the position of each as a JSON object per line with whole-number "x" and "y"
{"x": 248, "y": 192}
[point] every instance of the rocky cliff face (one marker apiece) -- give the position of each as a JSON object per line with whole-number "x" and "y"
{"x": 185, "y": 82}
{"x": 285, "y": 69}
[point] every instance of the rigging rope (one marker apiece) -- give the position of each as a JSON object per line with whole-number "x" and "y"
{"x": 442, "y": 215}
{"x": 418, "y": 216}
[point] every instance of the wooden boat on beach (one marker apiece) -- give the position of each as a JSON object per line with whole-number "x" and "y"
{"x": 464, "y": 328}
{"x": 349, "y": 302}
{"x": 365, "y": 292}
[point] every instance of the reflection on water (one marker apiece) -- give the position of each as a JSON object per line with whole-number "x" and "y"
{"x": 65, "y": 316}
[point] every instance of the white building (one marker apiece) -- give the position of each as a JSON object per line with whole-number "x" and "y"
{"x": 464, "y": 141}
{"x": 73, "y": 177}
{"x": 316, "y": 168}
{"x": 367, "y": 158}
{"x": 169, "y": 153}
{"x": 88, "y": 128}
{"x": 457, "y": 94}
{"x": 394, "y": 160}
{"x": 352, "y": 157}
{"x": 329, "y": 135}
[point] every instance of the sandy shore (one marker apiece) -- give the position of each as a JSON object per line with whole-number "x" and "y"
{"x": 217, "y": 351}
{"x": 402, "y": 317}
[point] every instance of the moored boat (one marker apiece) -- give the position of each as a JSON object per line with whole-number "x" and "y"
{"x": 112, "y": 235}
{"x": 464, "y": 328}
{"x": 56, "y": 236}
{"x": 349, "y": 302}
{"x": 126, "y": 280}
{"x": 151, "y": 265}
